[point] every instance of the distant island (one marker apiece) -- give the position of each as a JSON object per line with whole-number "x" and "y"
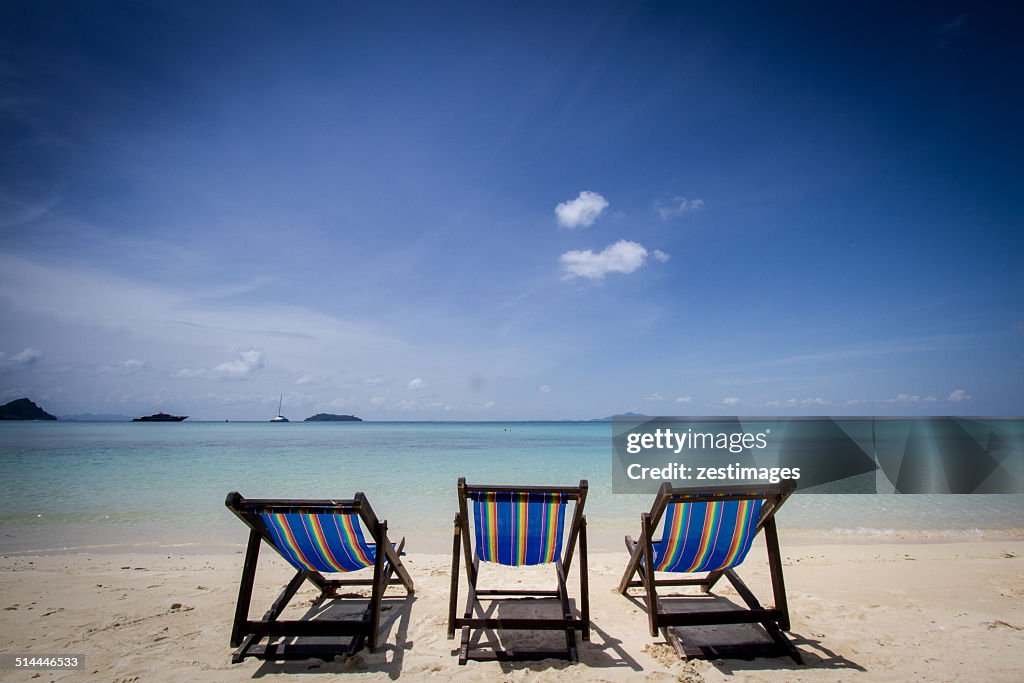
{"x": 161, "y": 417}
{"x": 23, "y": 409}
{"x": 329, "y": 417}
{"x": 612, "y": 417}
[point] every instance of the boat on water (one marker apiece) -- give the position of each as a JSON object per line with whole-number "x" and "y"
{"x": 279, "y": 417}
{"x": 161, "y": 417}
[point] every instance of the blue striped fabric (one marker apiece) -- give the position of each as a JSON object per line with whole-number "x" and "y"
{"x": 518, "y": 528}
{"x": 323, "y": 543}
{"x": 706, "y": 536}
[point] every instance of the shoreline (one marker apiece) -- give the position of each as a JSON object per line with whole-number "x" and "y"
{"x": 604, "y": 541}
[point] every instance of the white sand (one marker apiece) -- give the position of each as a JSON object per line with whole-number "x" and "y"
{"x": 901, "y": 611}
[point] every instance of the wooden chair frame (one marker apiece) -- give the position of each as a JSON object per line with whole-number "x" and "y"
{"x": 775, "y": 619}
{"x": 246, "y": 633}
{"x": 463, "y": 544}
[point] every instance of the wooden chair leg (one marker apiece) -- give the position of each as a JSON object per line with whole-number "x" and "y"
{"x": 252, "y": 553}
{"x": 584, "y": 582}
{"x": 453, "y": 593}
{"x": 648, "y": 571}
{"x": 563, "y": 597}
{"x": 771, "y": 538}
{"x": 472, "y": 572}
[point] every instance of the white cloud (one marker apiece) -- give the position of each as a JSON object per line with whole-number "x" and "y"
{"x": 378, "y": 401}
{"x": 903, "y": 398}
{"x": 417, "y": 384}
{"x": 23, "y": 359}
{"x": 622, "y": 257}
{"x": 582, "y": 211}
{"x": 660, "y": 255}
{"x": 242, "y": 366}
{"x": 544, "y": 389}
{"x": 489, "y": 405}
{"x": 654, "y": 397}
{"x": 684, "y": 399}
{"x": 677, "y": 207}
{"x": 807, "y": 402}
{"x": 959, "y": 395}
{"x": 731, "y": 401}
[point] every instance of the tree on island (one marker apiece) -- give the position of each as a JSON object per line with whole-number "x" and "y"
{"x": 23, "y": 409}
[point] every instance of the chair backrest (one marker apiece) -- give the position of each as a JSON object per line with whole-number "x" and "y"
{"x": 323, "y": 543}
{"x": 314, "y": 535}
{"x": 707, "y": 536}
{"x": 709, "y": 529}
{"x": 521, "y": 526}
{"x": 518, "y": 528}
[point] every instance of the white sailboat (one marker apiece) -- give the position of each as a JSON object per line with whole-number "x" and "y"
{"x": 279, "y": 417}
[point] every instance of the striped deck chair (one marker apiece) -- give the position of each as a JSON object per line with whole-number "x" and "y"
{"x": 518, "y": 526}
{"x": 316, "y": 537}
{"x": 711, "y": 530}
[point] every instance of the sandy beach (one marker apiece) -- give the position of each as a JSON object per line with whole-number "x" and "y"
{"x": 885, "y": 611}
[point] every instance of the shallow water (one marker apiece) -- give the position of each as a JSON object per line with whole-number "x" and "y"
{"x": 154, "y": 486}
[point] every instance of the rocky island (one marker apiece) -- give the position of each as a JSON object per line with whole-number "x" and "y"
{"x": 329, "y": 417}
{"x": 23, "y": 409}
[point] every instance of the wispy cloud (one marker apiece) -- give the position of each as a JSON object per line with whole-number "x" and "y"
{"x": 684, "y": 399}
{"x": 544, "y": 389}
{"x": 127, "y": 367}
{"x": 886, "y": 348}
{"x": 677, "y": 206}
{"x": 622, "y": 257}
{"x": 910, "y": 398}
{"x": 654, "y": 397}
{"x": 23, "y": 359}
{"x": 954, "y": 25}
{"x": 418, "y": 384}
{"x": 661, "y": 256}
{"x": 950, "y": 32}
{"x": 582, "y": 211}
{"x": 731, "y": 401}
{"x": 14, "y": 214}
{"x": 959, "y": 396}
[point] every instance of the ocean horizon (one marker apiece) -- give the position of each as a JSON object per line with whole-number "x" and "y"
{"x": 76, "y": 486}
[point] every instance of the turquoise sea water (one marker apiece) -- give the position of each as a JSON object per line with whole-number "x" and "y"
{"x": 68, "y": 485}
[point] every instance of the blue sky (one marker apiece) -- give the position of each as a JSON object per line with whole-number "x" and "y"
{"x": 539, "y": 211}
